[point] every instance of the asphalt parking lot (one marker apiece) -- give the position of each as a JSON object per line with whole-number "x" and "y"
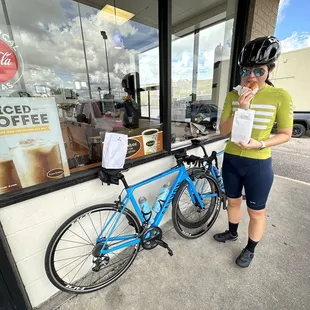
{"x": 292, "y": 159}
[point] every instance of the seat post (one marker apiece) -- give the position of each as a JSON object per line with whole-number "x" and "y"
{"x": 124, "y": 182}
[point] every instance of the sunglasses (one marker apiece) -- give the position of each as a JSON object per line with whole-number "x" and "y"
{"x": 257, "y": 72}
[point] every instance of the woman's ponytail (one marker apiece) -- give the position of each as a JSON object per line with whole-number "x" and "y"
{"x": 270, "y": 67}
{"x": 269, "y": 82}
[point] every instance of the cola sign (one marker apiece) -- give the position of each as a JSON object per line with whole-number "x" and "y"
{"x": 8, "y": 62}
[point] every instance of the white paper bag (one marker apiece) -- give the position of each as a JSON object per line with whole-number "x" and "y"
{"x": 242, "y": 126}
{"x": 114, "y": 150}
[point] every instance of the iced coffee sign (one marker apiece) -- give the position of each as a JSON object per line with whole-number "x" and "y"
{"x": 32, "y": 149}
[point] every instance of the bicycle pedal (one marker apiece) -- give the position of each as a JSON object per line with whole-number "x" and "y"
{"x": 164, "y": 245}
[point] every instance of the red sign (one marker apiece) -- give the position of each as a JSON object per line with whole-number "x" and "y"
{"x": 8, "y": 62}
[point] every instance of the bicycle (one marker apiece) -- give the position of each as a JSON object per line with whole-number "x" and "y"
{"x": 212, "y": 176}
{"x": 76, "y": 260}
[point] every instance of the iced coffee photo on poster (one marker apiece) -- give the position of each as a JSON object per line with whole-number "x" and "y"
{"x": 32, "y": 149}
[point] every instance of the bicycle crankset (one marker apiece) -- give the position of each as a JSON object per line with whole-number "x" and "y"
{"x": 151, "y": 238}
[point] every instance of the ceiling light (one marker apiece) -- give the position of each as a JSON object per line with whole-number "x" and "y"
{"x": 115, "y": 15}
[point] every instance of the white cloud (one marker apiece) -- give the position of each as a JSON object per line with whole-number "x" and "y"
{"x": 282, "y": 6}
{"x": 296, "y": 41}
{"x": 49, "y": 39}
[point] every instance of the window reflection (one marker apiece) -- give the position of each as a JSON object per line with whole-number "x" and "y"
{"x": 97, "y": 63}
{"x": 200, "y": 81}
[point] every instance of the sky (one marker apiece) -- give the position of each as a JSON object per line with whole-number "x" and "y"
{"x": 293, "y": 24}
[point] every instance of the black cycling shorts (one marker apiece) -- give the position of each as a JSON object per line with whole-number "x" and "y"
{"x": 255, "y": 175}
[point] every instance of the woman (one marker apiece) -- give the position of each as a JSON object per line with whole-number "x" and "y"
{"x": 249, "y": 165}
{"x": 131, "y": 115}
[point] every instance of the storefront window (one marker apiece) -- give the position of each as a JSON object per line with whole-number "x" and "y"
{"x": 82, "y": 69}
{"x": 200, "y": 67}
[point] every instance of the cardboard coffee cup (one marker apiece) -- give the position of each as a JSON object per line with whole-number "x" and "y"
{"x": 149, "y": 137}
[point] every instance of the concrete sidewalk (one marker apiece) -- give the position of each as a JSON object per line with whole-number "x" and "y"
{"x": 202, "y": 274}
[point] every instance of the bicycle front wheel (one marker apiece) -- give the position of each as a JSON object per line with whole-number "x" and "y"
{"x": 73, "y": 261}
{"x": 189, "y": 220}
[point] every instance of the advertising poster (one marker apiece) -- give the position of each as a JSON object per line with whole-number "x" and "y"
{"x": 150, "y": 141}
{"x": 32, "y": 149}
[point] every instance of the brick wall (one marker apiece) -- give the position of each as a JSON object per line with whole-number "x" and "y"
{"x": 262, "y": 18}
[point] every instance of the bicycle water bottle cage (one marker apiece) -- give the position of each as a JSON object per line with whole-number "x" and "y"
{"x": 111, "y": 176}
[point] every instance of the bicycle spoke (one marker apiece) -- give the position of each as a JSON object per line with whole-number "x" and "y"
{"x": 85, "y": 232}
{"x": 79, "y": 236}
{"x": 80, "y": 269}
{"x": 60, "y": 260}
{"x": 73, "y": 262}
{"x": 72, "y": 247}
{"x": 111, "y": 226}
{"x": 75, "y": 267}
{"x": 93, "y": 225}
{"x": 123, "y": 231}
{"x": 74, "y": 241}
{"x": 100, "y": 222}
{"x": 105, "y": 221}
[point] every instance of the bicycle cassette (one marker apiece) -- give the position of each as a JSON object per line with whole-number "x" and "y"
{"x": 150, "y": 237}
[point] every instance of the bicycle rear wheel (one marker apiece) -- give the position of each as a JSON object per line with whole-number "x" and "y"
{"x": 189, "y": 220}
{"x": 73, "y": 262}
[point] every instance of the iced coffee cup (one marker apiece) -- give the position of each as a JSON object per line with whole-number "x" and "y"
{"x": 37, "y": 161}
{"x": 9, "y": 180}
{"x": 149, "y": 137}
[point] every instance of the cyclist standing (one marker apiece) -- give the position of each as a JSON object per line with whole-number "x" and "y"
{"x": 250, "y": 165}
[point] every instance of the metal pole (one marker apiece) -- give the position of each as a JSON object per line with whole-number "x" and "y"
{"x": 195, "y": 65}
{"x": 85, "y": 58}
{"x": 149, "y": 103}
{"x": 8, "y": 24}
{"x": 106, "y": 56}
{"x": 165, "y": 34}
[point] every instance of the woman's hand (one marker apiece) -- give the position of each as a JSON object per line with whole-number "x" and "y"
{"x": 252, "y": 145}
{"x": 245, "y": 98}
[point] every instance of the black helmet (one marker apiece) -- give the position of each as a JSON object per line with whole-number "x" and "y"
{"x": 261, "y": 51}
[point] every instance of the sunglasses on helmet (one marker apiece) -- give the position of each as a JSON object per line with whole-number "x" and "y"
{"x": 257, "y": 72}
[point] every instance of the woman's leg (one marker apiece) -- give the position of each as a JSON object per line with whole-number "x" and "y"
{"x": 257, "y": 224}
{"x": 257, "y": 184}
{"x": 234, "y": 209}
{"x": 233, "y": 189}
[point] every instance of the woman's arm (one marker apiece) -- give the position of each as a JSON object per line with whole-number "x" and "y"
{"x": 226, "y": 126}
{"x": 282, "y": 136}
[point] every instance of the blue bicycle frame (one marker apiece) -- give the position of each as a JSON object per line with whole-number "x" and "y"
{"x": 213, "y": 174}
{"x": 182, "y": 176}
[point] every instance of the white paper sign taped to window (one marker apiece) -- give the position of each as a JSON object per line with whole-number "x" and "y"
{"x": 114, "y": 150}
{"x": 242, "y": 126}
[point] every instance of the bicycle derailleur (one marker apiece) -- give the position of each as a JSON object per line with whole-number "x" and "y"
{"x": 152, "y": 237}
{"x": 99, "y": 260}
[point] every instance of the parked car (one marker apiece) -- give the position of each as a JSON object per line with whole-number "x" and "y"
{"x": 301, "y": 124}
{"x": 205, "y": 114}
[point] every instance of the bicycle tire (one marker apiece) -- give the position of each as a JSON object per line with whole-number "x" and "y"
{"x": 199, "y": 174}
{"x": 191, "y": 230}
{"x": 50, "y": 269}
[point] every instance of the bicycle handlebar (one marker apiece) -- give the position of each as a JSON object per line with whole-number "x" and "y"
{"x": 182, "y": 156}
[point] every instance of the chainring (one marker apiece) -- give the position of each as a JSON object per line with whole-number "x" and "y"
{"x": 149, "y": 237}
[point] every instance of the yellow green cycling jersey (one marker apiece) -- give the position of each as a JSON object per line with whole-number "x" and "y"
{"x": 271, "y": 105}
